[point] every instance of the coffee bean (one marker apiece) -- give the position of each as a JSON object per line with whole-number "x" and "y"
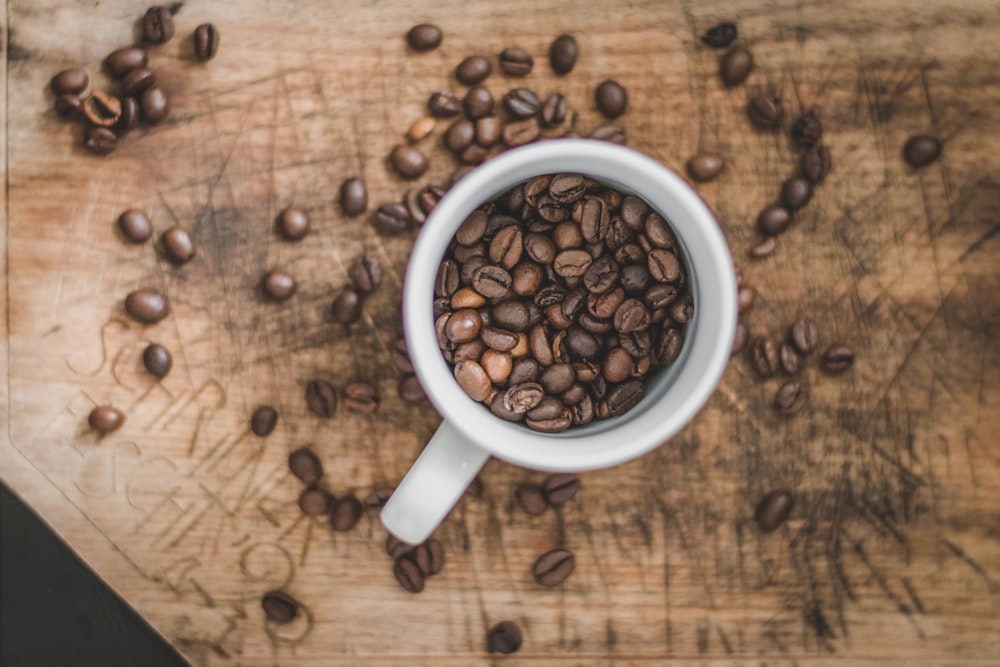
{"x": 744, "y": 298}
{"x": 487, "y": 130}
{"x": 314, "y": 501}
{"x": 408, "y": 161}
{"x": 720, "y": 36}
{"x": 293, "y": 223}
{"x": 765, "y": 111}
{"x": 506, "y": 247}
{"x": 473, "y": 380}
{"x": 920, "y": 150}
{"x": 705, "y": 167}
{"x": 764, "y": 357}
{"x": 206, "y": 42}
{"x": 305, "y": 465}
{"x": 147, "y": 305}
{"x": 68, "y": 106}
{"x": 278, "y": 285}
{"x": 424, "y": 37}
{"x": 493, "y": 282}
{"x": 121, "y": 61}
{"x": 157, "y": 360}
{"x": 553, "y": 567}
{"x": 129, "y": 118}
{"x": 478, "y": 103}
{"x": 137, "y": 81}
{"x": 391, "y": 219}
{"x": 610, "y": 133}
{"x": 321, "y": 398}
{"x": 409, "y": 389}
{"x": 353, "y": 196}
{"x": 154, "y": 105}
{"x": 611, "y": 98}
{"x": 556, "y": 424}
{"x": 807, "y": 129}
{"x": 443, "y": 104}
{"x": 408, "y": 575}
{"x": 562, "y": 54}
{"x": 504, "y": 637}
{"x": 70, "y": 81}
{"x": 554, "y": 110}
{"x": 366, "y": 273}
{"x": 135, "y": 226}
{"x": 345, "y": 513}
{"x": 531, "y": 499}
{"x": 100, "y": 140}
{"x": 773, "y": 509}
{"x": 795, "y": 193}
{"x": 105, "y": 419}
{"x": 375, "y": 501}
{"x": 473, "y": 70}
{"x": 521, "y": 102}
{"x": 420, "y": 129}
{"x": 460, "y": 135}
{"x": 631, "y": 316}
{"x": 429, "y": 557}
{"x": 791, "y": 398}
{"x": 735, "y": 66}
{"x": 804, "y": 335}
{"x": 263, "y": 420}
{"x": 177, "y": 245}
{"x": 396, "y": 548}
{"x": 560, "y": 488}
{"x": 158, "y": 25}
{"x": 739, "y": 338}
{"x": 790, "y": 361}
{"x": 102, "y": 110}
{"x": 764, "y": 248}
{"x": 838, "y": 358}
{"x": 624, "y": 397}
{"x": 516, "y": 62}
{"x": 816, "y": 163}
{"x": 663, "y": 265}
{"x": 361, "y": 397}
{"x": 773, "y": 220}
{"x": 399, "y": 355}
{"x": 658, "y": 232}
{"x": 346, "y": 308}
{"x": 279, "y": 607}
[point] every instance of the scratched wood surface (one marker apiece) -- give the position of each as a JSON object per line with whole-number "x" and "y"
{"x": 892, "y": 554}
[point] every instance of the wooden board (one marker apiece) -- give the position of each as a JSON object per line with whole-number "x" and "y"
{"x": 892, "y": 555}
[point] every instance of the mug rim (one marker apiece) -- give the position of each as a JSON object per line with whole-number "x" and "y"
{"x": 672, "y": 398}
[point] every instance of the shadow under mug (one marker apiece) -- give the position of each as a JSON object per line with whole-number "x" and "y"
{"x": 470, "y": 433}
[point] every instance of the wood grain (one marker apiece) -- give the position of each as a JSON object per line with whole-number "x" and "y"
{"x": 892, "y": 554}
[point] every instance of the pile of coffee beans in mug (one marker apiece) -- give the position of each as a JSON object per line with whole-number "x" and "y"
{"x": 557, "y": 300}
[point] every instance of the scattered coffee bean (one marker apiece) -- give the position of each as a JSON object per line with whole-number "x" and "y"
{"x": 278, "y": 285}
{"x": 400, "y": 356}
{"x": 346, "y": 308}
{"x": 765, "y": 111}
{"x": 263, "y": 420}
{"x": 739, "y": 338}
{"x": 443, "y": 104}
{"x": 206, "y": 42}
{"x": 920, "y": 150}
{"x": 154, "y": 105}
{"x": 807, "y": 129}
{"x": 473, "y": 70}
{"x": 795, "y": 193}
{"x": 397, "y": 548}
{"x": 744, "y": 298}
{"x": 279, "y": 607}
{"x": 345, "y": 513}
{"x": 147, "y": 305}
{"x": 521, "y": 132}
{"x": 409, "y": 161}
{"x": 516, "y": 62}
{"x": 102, "y": 110}
{"x": 705, "y": 167}
{"x": 521, "y": 102}
{"x": 720, "y": 36}
{"x": 321, "y": 398}
{"x": 353, "y": 196}
{"x": 804, "y": 335}
{"x": 158, "y": 25}
{"x": 177, "y": 245}
{"x": 375, "y": 501}
{"x": 838, "y": 358}
{"x": 314, "y": 502}
{"x": 105, "y": 419}
{"x": 100, "y": 140}
{"x": 789, "y": 358}
{"x": 610, "y": 133}
{"x": 553, "y": 567}
{"x": 421, "y": 128}
{"x": 137, "y": 81}
{"x": 487, "y": 130}
{"x": 773, "y": 509}
{"x": 560, "y": 488}
{"x": 293, "y": 223}
{"x": 68, "y": 106}
{"x": 305, "y": 465}
{"x": 424, "y": 37}
{"x": 554, "y": 110}
{"x": 764, "y": 248}
{"x": 129, "y": 118}
{"x": 135, "y": 226}
{"x": 815, "y": 164}
{"x": 735, "y": 66}
{"x": 70, "y": 81}
{"x": 764, "y": 357}
{"x": 409, "y": 389}
{"x": 611, "y": 98}
{"x": 408, "y": 575}
{"x": 361, "y": 397}
{"x": 121, "y": 61}
{"x": 773, "y": 220}
{"x": 562, "y": 54}
{"x": 478, "y": 102}
{"x": 791, "y": 398}
{"x": 531, "y": 499}
{"x": 504, "y": 637}
{"x": 366, "y": 273}
{"x": 157, "y": 360}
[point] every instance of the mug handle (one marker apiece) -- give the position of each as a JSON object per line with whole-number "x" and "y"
{"x": 433, "y": 485}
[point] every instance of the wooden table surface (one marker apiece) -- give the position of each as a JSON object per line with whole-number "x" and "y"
{"x": 892, "y": 554}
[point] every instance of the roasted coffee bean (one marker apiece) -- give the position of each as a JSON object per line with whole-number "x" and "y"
{"x": 278, "y": 285}
{"x": 121, "y": 61}
{"x": 764, "y": 248}
{"x": 305, "y": 465}
{"x": 488, "y": 130}
{"x": 556, "y": 424}
{"x": 129, "y": 118}
{"x": 399, "y": 355}
{"x": 408, "y": 161}
{"x": 838, "y": 358}
{"x": 424, "y": 37}
{"x": 158, "y": 25}
{"x": 567, "y": 188}
{"x": 473, "y": 70}
{"x": 391, "y": 219}
{"x": 506, "y": 247}
{"x": 314, "y": 502}
{"x": 366, "y": 273}
{"x": 68, "y": 106}
{"x": 611, "y": 98}
{"x": 157, "y": 360}
{"x": 682, "y": 309}
{"x": 773, "y": 220}
{"x": 807, "y": 129}
{"x": 663, "y": 265}
{"x": 478, "y": 102}
{"x": 511, "y": 315}
{"x": 720, "y": 36}
{"x": 206, "y": 42}
{"x": 524, "y": 396}
{"x": 795, "y": 193}
{"x": 658, "y": 231}
{"x": 804, "y": 335}
{"x": 346, "y": 307}
{"x": 460, "y": 135}
{"x": 473, "y": 380}
{"x": 375, "y": 501}
{"x": 408, "y": 575}
{"x": 443, "y": 104}
{"x": 504, "y": 637}
{"x": 624, "y": 397}
{"x": 177, "y": 245}
{"x": 553, "y": 567}
{"x": 744, "y": 298}
{"x": 617, "y": 365}
{"x": 279, "y": 607}
{"x": 631, "y": 316}
{"x": 789, "y": 359}
{"x": 70, "y": 81}
{"x": 527, "y": 278}
{"x": 764, "y": 357}
{"x": 554, "y": 110}
{"x": 100, "y": 140}
{"x": 815, "y": 164}
{"x": 420, "y": 129}
{"x": 102, "y": 110}
{"x": 581, "y": 344}
{"x": 920, "y": 150}
{"x": 791, "y": 398}
{"x": 603, "y": 306}
{"x": 739, "y": 338}
{"x": 560, "y": 488}
{"x": 520, "y": 132}
{"x": 463, "y": 325}
{"x": 147, "y": 305}
{"x": 521, "y": 102}
{"x": 429, "y": 557}
{"x": 498, "y": 339}
{"x": 572, "y": 263}
{"x": 353, "y": 196}
{"x": 154, "y": 105}
{"x": 556, "y": 379}
{"x": 562, "y": 54}
{"x": 345, "y": 513}
{"x": 137, "y": 81}
{"x": 321, "y": 398}
{"x": 496, "y": 364}
{"x": 525, "y": 369}
{"x": 361, "y": 397}
{"x": 774, "y": 509}
{"x": 397, "y": 548}
{"x": 765, "y": 111}
{"x": 610, "y": 133}
{"x": 660, "y": 295}
{"x": 105, "y": 419}
{"x": 293, "y": 223}
{"x": 135, "y": 226}
{"x": 668, "y": 346}
{"x": 516, "y": 62}
{"x": 409, "y": 389}
{"x": 634, "y": 278}
{"x": 705, "y": 167}
{"x": 735, "y": 66}
{"x": 263, "y": 420}
{"x": 493, "y": 282}
{"x": 531, "y": 499}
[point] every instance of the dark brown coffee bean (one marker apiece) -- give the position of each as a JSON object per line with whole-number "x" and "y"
{"x": 361, "y": 397}
{"x": 548, "y": 408}
{"x": 804, "y": 335}
{"x": 345, "y": 513}
{"x": 682, "y": 309}
{"x": 611, "y": 98}
{"x": 617, "y": 365}
{"x": 105, "y": 419}
{"x": 511, "y": 315}
{"x": 293, "y": 223}
{"x": 660, "y": 295}
{"x": 610, "y": 133}
{"x": 478, "y": 103}
{"x": 206, "y": 42}
{"x": 705, "y": 167}
{"x": 177, "y": 245}
{"x": 807, "y": 129}
{"x": 70, "y": 81}
{"x": 137, "y": 81}
{"x": 553, "y": 567}
{"x": 773, "y": 509}
{"x": 408, "y": 161}
{"x": 658, "y": 232}
{"x": 408, "y": 575}
{"x": 68, "y": 106}
{"x": 764, "y": 357}
{"x": 366, "y": 273}
{"x": 530, "y": 499}
{"x": 397, "y": 548}
{"x": 102, "y": 110}
{"x": 154, "y": 105}
{"x": 920, "y": 150}
{"x": 572, "y": 263}
{"x": 157, "y": 360}
{"x": 100, "y": 140}
{"x": 278, "y": 285}
{"x": 463, "y": 325}
{"x": 135, "y": 226}
{"x": 129, "y": 118}
{"x": 795, "y": 193}
{"x": 516, "y": 62}
{"x": 791, "y": 398}
{"x": 147, "y": 305}
{"x": 158, "y": 25}
{"x": 765, "y": 111}
{"x": 624, "y": 397}
{"x": 764, "y": 248}
{"x": 838, "y": 358}
{"x": 790, "y": 361}
{"x": 314, "y": 502}
{"x": 526, "y": 369}
{"x": 353, "y": 196}
{"x": 424, "y": 37}
{"x": 506, "y": 247}
{"x": 263, "y": 420}
{"x": 391, "y": 219}
{"x": 399, "y": 354}
{"x": 498, "y": 339}
{"x": 562, "y": 54}
{"x": 560, "y": 488}
{"x": 443, "y": 104}
{"x": 720, "y": 36}
{"x": 744, "y": 298}
{"x": 121, "y": 61}
{"x": 321, "y": 398}
{"x": 567, "y": 188}
{"x": 773, "y": 220}
{"x": 429, "y": 557}
{"x": 521, "y": 103}
{"x": 816, "y": 163}
{"x": 493, "y": 282}
{"x": 279, "y": 607}
{"x": 460, "y": 135}
{"x": 557, "y": 424}
{"x": 346, "y": 308}
{"x": 520, "y": 132}
{"x": 631, "y": 316}
{"x": 735, "y": 66}
{"x": 525, "y": 395}
{"x": 375, "y": 501}
{"x": 554, "y": 110}
{"x": 663, "y": 265}
{"x": 473, "y": 70}
{"x": 305, "y": 465}
{"x": 504, "y": 637}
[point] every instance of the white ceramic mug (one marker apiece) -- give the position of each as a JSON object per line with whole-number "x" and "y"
{"x": 470, "y": 433}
